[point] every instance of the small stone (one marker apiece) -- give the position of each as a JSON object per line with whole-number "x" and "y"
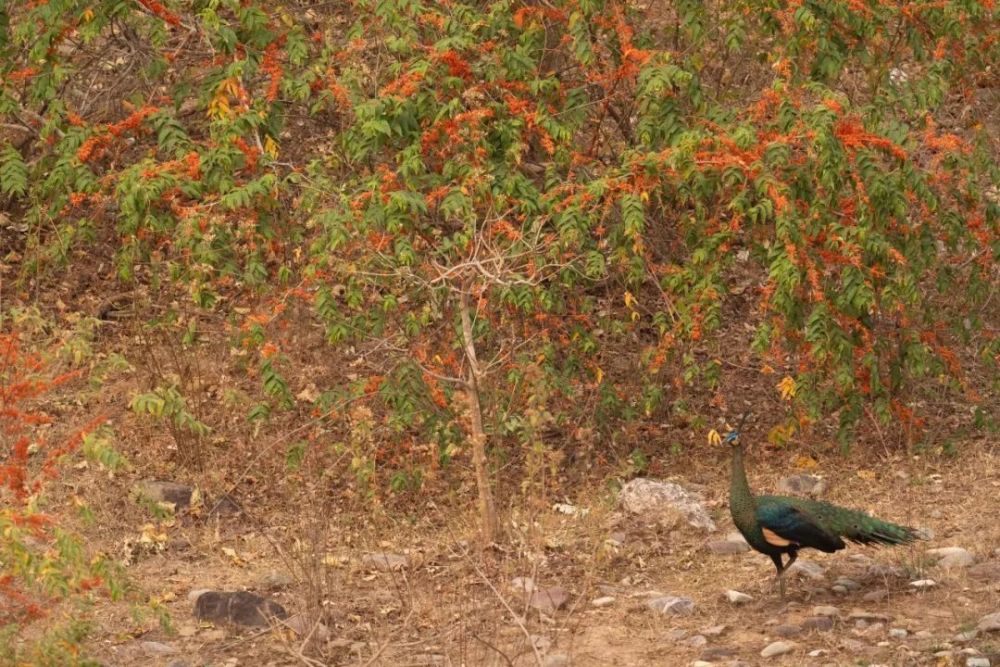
{"x": 923, "y": 584}
{"x": 786, "y": 631}
{"x": 671, "y": 604}
{"x": 849, "y": 584}
{"x": 811, "y": 485}
{"x": 861, "y": 624}
{"x": 818, "y": 623}
{"x": 963, "y": 637}
{"x": 817, "y": 653}
{"x": 697, "y": 641}
{"x": 778, "y": 648}
{"x": 158, "y": 648}
{"x": 989, "y": 623}
{"x": 867, "y": 615}
{"x": 385, "y": 561}
{"x": 735, "y": 597}
{"x": 825, "y": 610}
{"x": 807, "y": 569}
{"x": 714, "y": 630}
{"x": 616, "y": 539}
{"x": 923, "y": 634}
{"x": 839, "y": 590}
{"x": 875, "y": 596}
{"x": 898, "y": 633}
{"x": 977, "y": 661}
{"x": 548, "y": 600}
{"x": 952, "y": 557}
{"x": 602, "y": 601}
{"x": 713, "y": 653}
{"x": 701, "y": 663}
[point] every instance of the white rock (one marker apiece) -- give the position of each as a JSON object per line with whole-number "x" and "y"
{"x": 671, "y": 604}
{"x": 898, "y": 633}
{"x": 778, "y": 648}
{"x": 602, "y": 601}
{"x": 817, "y": 653}
{"x": 977, "y": 661}
{"x": 523, "y": 584}
{"x": 702, "y": 663}
{"x": 952, "y": 557}
{"x": 735, "y": 597}
{"x": 665, "y": 500}
{"x": 923, "y": 584}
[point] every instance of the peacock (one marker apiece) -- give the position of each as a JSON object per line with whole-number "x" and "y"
{"x": 777, "y": 525}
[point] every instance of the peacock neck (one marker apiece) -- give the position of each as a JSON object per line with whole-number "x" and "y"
{"x": 741, "y": 502}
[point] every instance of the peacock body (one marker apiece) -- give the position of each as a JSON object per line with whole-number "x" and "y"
{"x": 780, "y": 525}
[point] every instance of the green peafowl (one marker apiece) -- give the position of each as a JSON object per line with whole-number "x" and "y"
{"x": 776, "y": 525}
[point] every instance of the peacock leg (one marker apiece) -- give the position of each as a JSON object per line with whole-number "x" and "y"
{"x": 792, "y": 555}
{"x": 781, "y": 570}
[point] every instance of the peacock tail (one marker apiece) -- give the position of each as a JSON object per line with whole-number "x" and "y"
{"x": 841, "y": 521}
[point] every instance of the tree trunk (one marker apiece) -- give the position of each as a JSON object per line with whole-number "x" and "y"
{"x": 489, "y": 524}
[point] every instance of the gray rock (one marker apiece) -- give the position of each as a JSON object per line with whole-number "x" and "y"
{"x": 849, "y": 584}
{"x": 603, "y": 601}
{"x": 171, "y": 493}
{"x": 868, "y": 616}
{"x": 989, "y": 623}
{"x": 548, "y": 600}
{"x": 875, "y": 596}
{"x": 665, "y": 502}
{"x": 737, "y": 598}
{"x": 385, "y": 561}
{"x": 825, "y": 610}
{"x": 778, "y": 648}
{"x": 987, "y": 571}
{"x": 239, "y": 607}
{"x": 696, "y": 641}
{"x": 977, "y": 661}
{"x": 786, "y": 631}
{"x": 803, "y": 485}
{"x": 898, "y": 633}
{"x": 964, "y": 637}
{"x": 303, "y": 625}
{"x": 158, "y": 648}
{"x": 923, "y": 584}
{"x": 818, "y": 623}
{"x": 677, "y": 634}
{"x": 806, "y": 569}
{"x": 671, "y": 604}
{"x": 952, "y": 557}
{"x": 276, "y": 580}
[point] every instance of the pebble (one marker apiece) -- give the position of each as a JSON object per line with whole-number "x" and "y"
{"x": 786, "y": 631}
{"x": 825, "y": 610}
{"x": 989, "y": 623}
{"x": 735, "y": 597}
{"x": 808, "y": 569}
{"x": 977, "y": 661}
{"x": 778, "y": 648}
{"x": 602, "y": 601}
{"x": 817, "y": 653}
{"x": 923, "y": 584}
{"x": 849, "y": 584}
{"x": 898, "y": 633}
{"x": 819, "y": 623}
{"x": 671, "y": 604}
{"x": 713, "y": 653}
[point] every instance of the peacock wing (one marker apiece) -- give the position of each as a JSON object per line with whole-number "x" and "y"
{"x": 784, "y": 523}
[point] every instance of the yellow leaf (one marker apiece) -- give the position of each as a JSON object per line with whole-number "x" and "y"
{"x": 644, "y": 196}
{"x": 629, "y": 299}
{"x": 87, "y": 15}
{"x": 714, "y": 438}
{"x": 806, "y": 463}
{"x": 600, "y": 375}
{"x": 271, "y": 147}
{"x": 787, "y": 387}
